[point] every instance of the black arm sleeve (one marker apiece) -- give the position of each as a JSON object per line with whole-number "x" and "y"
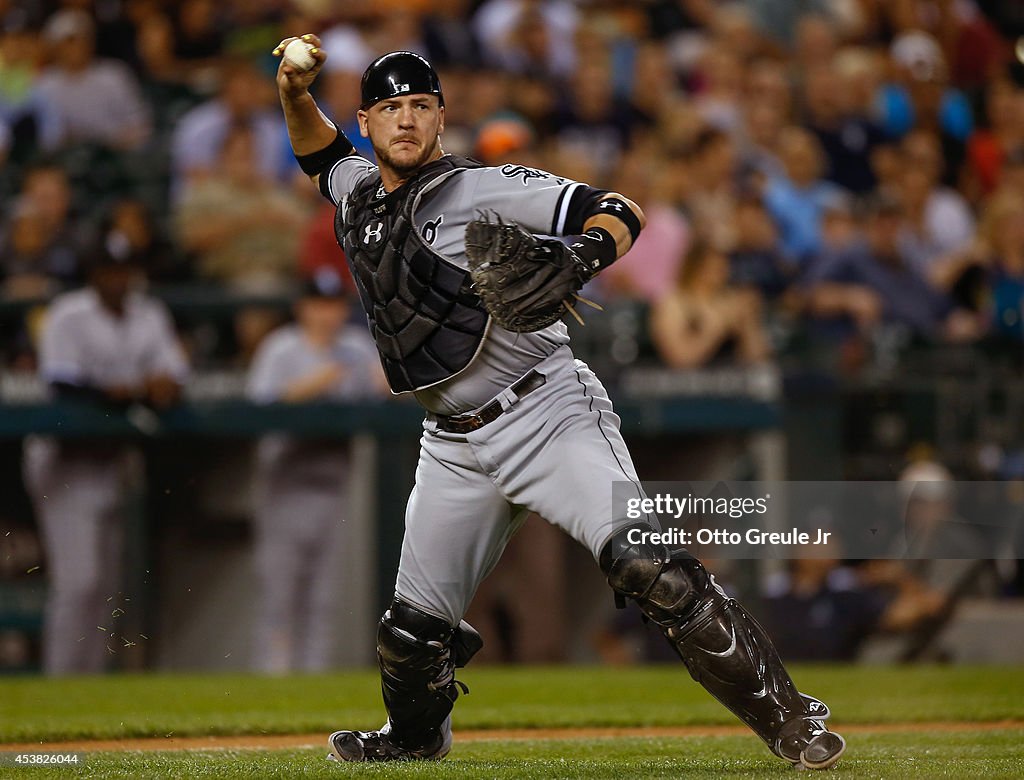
{"x": 317, "y": 162}
{"x": 582, "y": 206}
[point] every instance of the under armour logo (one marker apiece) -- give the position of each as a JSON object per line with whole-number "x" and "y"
{"x": 374, "y": 231}
{"x": 611, "y": 204}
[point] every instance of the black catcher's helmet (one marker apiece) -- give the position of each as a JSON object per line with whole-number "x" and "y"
{"x": 398, "y": 73}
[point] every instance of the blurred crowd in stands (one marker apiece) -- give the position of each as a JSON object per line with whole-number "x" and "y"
{"x": 820, "y": 177}
{"x": 813, "y": 172}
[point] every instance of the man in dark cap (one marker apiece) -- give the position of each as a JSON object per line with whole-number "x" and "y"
{"x": 108, "y": 344}
{"x": 301, "y": 483}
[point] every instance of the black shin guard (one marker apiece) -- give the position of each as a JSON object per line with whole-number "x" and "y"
{"x": 418, "y": 655}
{"x": 723, "y": 647}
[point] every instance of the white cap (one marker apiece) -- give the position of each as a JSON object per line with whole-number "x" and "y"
{"x": 69, "y": 23}
{"x": 927, "y": 480}
{"x": 919, "y": 53}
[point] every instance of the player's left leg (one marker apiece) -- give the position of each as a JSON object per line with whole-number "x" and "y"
{"x": 561, "y": 450}
{"x": 457, "y": 525}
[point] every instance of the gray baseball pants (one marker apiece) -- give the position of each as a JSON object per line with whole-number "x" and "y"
{"x": 555, "y": 452}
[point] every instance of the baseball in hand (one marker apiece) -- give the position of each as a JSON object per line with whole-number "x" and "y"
{"x": 297, "y": 55}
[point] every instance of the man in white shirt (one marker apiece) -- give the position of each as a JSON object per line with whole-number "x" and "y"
{"x": 108, "y": 345}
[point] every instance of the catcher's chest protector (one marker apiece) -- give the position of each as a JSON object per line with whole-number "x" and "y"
{"x": 427, "y": 323}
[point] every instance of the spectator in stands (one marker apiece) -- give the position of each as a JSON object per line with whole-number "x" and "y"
{"x": 712, "y": 189}
{"x": 651, "y": 266}
{"x": 536, "y": 100}
{"x": 767, "y": 106}
{"x": 940, "y": 545}
{"x": 839, "y": 228}
{"x": 301, "y": 484}
{"x": 757, "y": 261}
{"x": 319, "y": 250}
{"x": 820, "y": 610}
{"x": 593, "y": 118}
{"x": 808, "y": 27}
{"x": 129, "y": 225}
{"x": 705, "y": 321}
{"x": 847, "y": 134}
{"x": 449, "y": 40}
{"x": 939, "y": 221}
{"x": 242, "y": 229}
{"x": 1011, "y": 174}
{"x": 1003, "y": 133}
{"x": 654, "y": 82}
{"x": 43, "y": 238}
{"x": 339, "y": 96}
{"x": 99, "y": 101}
{"x": 111, "y": 346}
{"x": 920, "y": 96}
{"x": 720, "y": 89}
{"x": 988, "y": 276}
{"x": 506, "y": 139}
{"x": 873, "y": 281}
{"x": 798, "y": 199}
{"x": 31, "y": 123}
{"x": 244, "y": 100}
{"x": 521, "y": 35}
{"x": 198, "y": 35}
{"x": 26, "y": 255}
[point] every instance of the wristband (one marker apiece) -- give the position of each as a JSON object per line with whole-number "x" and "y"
{"x": 596, "y": 248}
{"x": 317, "y": 162}
{"x": 618, "y": 208}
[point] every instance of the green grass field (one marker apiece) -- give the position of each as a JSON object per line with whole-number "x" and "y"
{"x": 33, "y": 710}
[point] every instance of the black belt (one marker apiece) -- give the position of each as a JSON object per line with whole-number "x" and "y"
{"x": 493, "y": 410}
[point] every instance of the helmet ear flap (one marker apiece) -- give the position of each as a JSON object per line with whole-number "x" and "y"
{"x": 396, "y": 74}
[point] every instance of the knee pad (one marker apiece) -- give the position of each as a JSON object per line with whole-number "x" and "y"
{"x": 669, "y": 587}
{"x": 412, "y": 643}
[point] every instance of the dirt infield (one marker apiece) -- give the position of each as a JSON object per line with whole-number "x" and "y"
{"x": 295, "y": 741}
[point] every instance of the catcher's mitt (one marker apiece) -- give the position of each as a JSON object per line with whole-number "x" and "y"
{"x": 525, "y": 282}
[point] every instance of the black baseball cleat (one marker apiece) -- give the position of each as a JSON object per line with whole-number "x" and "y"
{"x": 807, "y": 742}
{"x": 379, "y": 746}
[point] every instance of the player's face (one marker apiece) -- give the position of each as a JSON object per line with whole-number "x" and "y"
{"x": 404, "y": 131}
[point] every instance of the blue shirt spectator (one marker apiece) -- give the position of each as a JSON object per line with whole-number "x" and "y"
{"x": 798, "y": 200}
{"x": 871, "y": 282}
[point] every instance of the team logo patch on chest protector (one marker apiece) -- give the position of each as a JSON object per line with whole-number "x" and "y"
{"x": 427, "y": 323}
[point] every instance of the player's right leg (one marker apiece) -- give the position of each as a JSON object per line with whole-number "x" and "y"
{"x": 561, "y": 451}
{"x": 457, "y": 524}
{"x": 722, "y": 646}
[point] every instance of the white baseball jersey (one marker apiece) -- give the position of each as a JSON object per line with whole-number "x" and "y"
{"x": 286, "y": 355}
{"x": 84, "y": 343}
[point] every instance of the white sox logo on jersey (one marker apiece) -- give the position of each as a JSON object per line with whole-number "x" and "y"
{"x": 373, "y": 233}
{"x": 515, "y": 171}
{"x": 430, "y": 229}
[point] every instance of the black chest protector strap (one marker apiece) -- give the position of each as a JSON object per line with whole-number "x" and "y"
{"x": 427, "y": 323}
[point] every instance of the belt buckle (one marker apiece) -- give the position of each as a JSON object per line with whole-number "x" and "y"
{"x": 462, "y": 423}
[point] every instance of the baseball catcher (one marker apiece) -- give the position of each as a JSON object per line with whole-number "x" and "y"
{"x": 465, "y": 272}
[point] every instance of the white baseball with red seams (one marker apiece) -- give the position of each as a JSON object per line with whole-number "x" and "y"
{"x": 297, "y": 55}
